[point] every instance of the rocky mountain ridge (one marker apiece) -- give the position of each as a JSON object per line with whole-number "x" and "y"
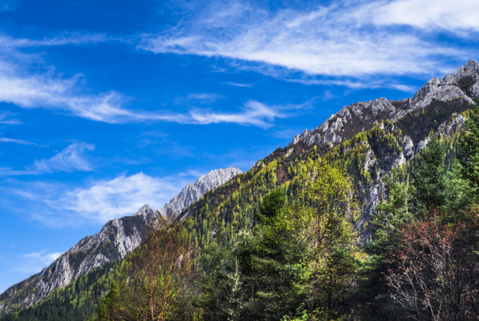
{"x": 117, "y": 239}
{"x": 193, "y": 192}
{"x": 462, "y": 84}
{"x": 453, "y": 93}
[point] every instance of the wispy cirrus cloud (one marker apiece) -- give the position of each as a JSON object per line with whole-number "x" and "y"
{"x": 44, "y": 256}
{"x": 345, "y": 39}
{"x": 34, "y": 262}
{"x": 203, "y": 98}
{"x": 235, "y": 84}
{"x": 61, "y": 40}
{"x": 70, "y": 159}
{"x": 6, "y": 120}
{"x": 254, "y": 113}
{"x": 16, "y": 141}
{"x": 67, "y": 95}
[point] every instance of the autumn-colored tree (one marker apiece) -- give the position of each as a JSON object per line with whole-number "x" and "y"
{"x": 155, "y": 280}
{"x": 436, "y": 269}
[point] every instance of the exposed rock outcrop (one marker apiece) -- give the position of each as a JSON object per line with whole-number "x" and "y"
{"x": 340, "y": 126}
{"x": 193, "y": 192}
{"x": 461, "y": 86}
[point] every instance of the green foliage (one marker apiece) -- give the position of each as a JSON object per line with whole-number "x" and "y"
{"x": 154, "y": 282}
{"x": 257, "y": 279}
{"x": 278, "y": 242}
{"x": 470, "y": 149}
{"x": 429, "y": 177}
{"x": 75, "y": 302}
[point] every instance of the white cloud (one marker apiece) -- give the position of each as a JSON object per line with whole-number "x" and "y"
{"x": 68, "y": 160}
{"x": 337, "y": 40}
{"x": 17, "y": 141}
{"x": 47, "y": 91}
{"x": 44, "y": 256}
{"x": 6, "y": 120}
{"x": 34, "y": 262}
{"x": 65, "y": 39}
{"x": 51, "y": 91}
{"x": 58, "y": 204}
{"x": 235, "y": 84}
{"x": 124, "y": 195}
{"x": 203, "y": 98}
{"x": 455, "y": 16}
{"x": 254, "y": 113}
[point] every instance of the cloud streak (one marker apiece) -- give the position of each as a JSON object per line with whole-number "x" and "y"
{"x": 66, "y": 95}
{"x": 452, "y": 16}
{"x": 43, "y": 256}
{"x": 17, "y": 141}
{"x": 68, "y": 160}
{"x": 349, "y": 38}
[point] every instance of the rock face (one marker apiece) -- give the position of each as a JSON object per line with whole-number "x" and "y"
{"x": 117, "y": 239}
{"x": 461, "y": 86}
{"x": 358, "y": 116}
{"x": 191, "y": 193}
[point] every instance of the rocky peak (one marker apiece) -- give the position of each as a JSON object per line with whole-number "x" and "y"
{"x": 471, "y": 69}
{"x": 193, "y": 192}
{"x": 146, "y": 213}
{"x": 427, "y": 88}
{"x": 463, "y": 84}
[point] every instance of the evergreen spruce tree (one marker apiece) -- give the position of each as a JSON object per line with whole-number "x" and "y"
{"x": 371, "y": 297}
{"x": 429, "y": 177}
{"x": 470, "y": 148}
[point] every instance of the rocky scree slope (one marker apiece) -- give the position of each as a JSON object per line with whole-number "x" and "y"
{"x": 368, "y": 139}
{"x": 117, "y": 239}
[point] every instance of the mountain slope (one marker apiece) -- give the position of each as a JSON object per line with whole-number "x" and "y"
{"x": 368, "y": 139}
{"x": 117, "y": 239}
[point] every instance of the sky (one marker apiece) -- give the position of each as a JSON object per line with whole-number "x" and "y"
{"x": 109, "y": 105}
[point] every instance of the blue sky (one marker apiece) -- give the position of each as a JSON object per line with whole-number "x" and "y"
{"x": 109, "y": 105}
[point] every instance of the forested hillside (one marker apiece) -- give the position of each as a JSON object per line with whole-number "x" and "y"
{"x": 332, "y": 227}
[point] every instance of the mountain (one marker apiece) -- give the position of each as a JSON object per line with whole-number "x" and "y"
{"x": 368, "y": 139}
{"x": 191, "y": 193}
{"x": 117, "y": 239}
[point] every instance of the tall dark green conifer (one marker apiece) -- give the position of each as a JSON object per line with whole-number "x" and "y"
{"x": 429, "y": 177}
{"x": 470, "y": 148}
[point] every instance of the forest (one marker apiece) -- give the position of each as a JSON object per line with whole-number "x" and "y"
{"x": 286, "y": 241}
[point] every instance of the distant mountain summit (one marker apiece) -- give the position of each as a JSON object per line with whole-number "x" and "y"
{"x": 117, "y": 239}
{"x": 191, "y": 193}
